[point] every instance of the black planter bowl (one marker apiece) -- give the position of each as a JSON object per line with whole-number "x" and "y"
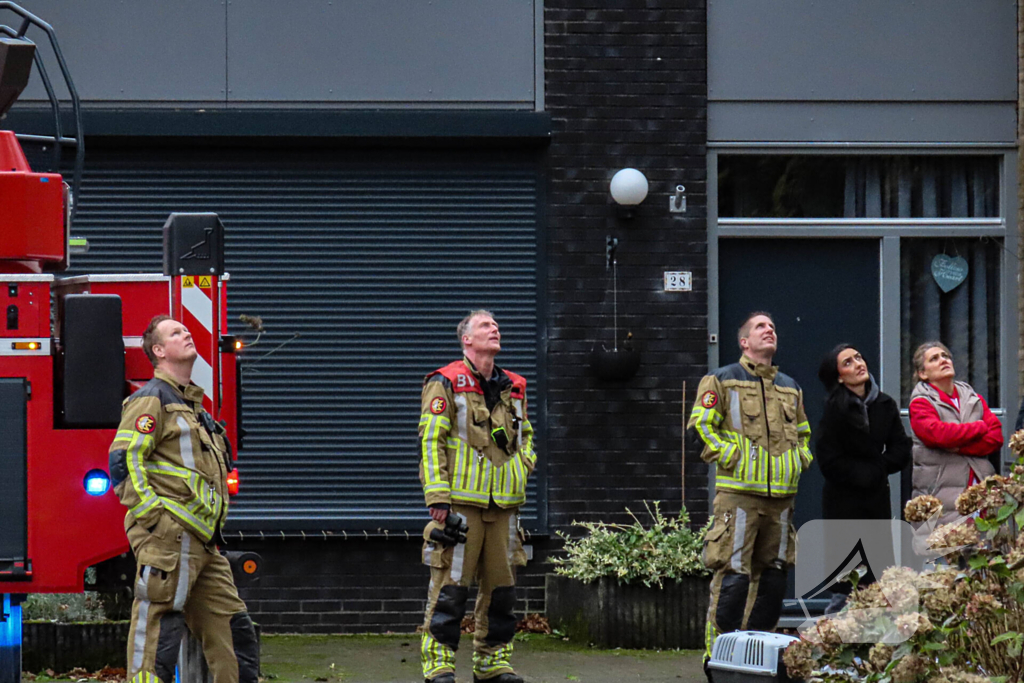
{"x": 612, "y": 365}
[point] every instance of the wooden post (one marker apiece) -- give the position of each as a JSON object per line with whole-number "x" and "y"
{"x": 682, "y": 497}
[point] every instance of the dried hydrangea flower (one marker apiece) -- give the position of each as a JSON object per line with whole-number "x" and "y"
{"x": 958, "y": 676}
{"x": 799, "y": 659}
{"x": 982, "y": 604}
{"x": 909, "y": 669}
{"x": 954, "y": 535}
{"x": 922, "y": 508}
{"x": 968, "y": 502}
{"x": 1017, "y": 443}
{"x": 915, "y": 622}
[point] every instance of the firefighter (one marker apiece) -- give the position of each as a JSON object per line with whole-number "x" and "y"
{"x": 476, "y": 447}
{"x": 169, "y": 463}
{"x": 751, "y": 422}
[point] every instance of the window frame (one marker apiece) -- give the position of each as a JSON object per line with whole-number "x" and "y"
{"x": 889, "y": 233}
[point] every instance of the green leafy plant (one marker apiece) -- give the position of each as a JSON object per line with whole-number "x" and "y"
{"x": 666, "y": 549}
{"x": 961, "y": 623}
{"x": 63, "y": 608}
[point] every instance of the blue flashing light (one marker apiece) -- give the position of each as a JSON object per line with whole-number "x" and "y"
{"x": 10, "y": 626}
{"x": 44, "y": 180}
{"x": 97, "y": 482}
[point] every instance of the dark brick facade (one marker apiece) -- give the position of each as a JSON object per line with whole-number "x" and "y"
{"x": 626, "y": 86}
{"x": 351, "y": 586}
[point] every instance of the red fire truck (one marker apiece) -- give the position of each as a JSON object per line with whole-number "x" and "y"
{"x": 70, "y": 352}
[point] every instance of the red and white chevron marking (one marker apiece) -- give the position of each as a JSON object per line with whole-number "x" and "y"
{"x": 197, "y": 316}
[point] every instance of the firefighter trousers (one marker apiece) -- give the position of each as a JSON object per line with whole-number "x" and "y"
{"x": 750, "y": 547}
{"x": 490, "y": 554}
{"x": 181, "y": 583}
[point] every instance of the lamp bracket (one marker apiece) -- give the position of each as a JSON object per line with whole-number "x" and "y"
{"x": 677, "y": 202}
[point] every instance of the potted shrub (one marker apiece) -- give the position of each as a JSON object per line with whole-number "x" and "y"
{"x": 630, "y": 585}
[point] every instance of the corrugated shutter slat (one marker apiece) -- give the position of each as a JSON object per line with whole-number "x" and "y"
{"x": 360, "y": 264}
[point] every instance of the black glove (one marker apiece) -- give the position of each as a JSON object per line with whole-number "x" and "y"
{"x": 454, "y": 531}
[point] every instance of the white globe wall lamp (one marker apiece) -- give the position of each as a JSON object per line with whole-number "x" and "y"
{"x": 628, "y": 188}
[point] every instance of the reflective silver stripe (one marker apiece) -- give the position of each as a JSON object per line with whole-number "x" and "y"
{"x": 426, "y": 555}
{"x": 142, "y": 595}
{"x": 518, "y": 403}
{"x": 462, "y": 415}
{"x": 784, "y": 543}
{"x": 181, "y": 592}
{"x": 734, "y": 410}
{"x": 457, "y": 559}
{"x": 513, "y": 535}
{"x": 739, "y": 536}
{"x": 185, "y": 444}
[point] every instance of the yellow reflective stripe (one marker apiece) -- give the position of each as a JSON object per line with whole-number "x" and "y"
{"x": 135, "y": 460}
{"x": 527, "y": 447}
{"x": 728, "y": 456}
{"x": 433, "y": 424}
{"x": 145, "y": 506}
{"x": 184, "y": 514}
{"x": 732, "y": 484}
{"x": 485, "y": 664}
{"x": 471, "y": 482}
{"x": 471, "y": 496}
{"x": 509, "y": 500}
{"x": 460, "y": 473}
{"x": 163, "y": 469}
{"x": 707, "y": 422}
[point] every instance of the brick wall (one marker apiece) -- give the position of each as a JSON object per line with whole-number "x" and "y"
{"x": 626, "y": 86}
{"x": 353, "y": 586}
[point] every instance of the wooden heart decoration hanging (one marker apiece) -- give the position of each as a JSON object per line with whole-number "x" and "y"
{"x": 949, "y": 271}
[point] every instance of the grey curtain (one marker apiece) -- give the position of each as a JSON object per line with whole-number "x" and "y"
{"x": 966, "y": 318}
{"x": 921, "y": 187}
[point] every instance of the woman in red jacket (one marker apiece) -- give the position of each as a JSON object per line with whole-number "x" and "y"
{"x": 954, "y": 430}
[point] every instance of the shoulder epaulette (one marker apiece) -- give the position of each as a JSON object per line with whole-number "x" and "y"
{"x": 461, "y": 378}
{"x": 784, "y": 380}
{"x": 160, "y": 389}
{"x": 518, "y": 384}
{"x": 734, "y": 371}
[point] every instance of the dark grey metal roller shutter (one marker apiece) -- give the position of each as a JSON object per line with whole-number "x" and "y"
{"x": 360, "y": 262}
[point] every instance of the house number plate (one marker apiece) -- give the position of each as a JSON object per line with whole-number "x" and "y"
{"x": 678, "y": 281}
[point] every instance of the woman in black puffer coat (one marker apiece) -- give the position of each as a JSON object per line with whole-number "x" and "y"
{"x": 861, "y": 442}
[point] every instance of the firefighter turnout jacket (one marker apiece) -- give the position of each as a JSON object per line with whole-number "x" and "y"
{"x": 469, "y": 453}
{"x": 751, "y": 420}
{"x": 170, "y": 456}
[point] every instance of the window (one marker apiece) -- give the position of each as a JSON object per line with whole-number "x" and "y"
{"x": 966, "y": 319}
{"x": 825, "y": 186}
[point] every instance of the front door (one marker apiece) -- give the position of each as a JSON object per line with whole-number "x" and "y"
{"x": 820, "y": 292}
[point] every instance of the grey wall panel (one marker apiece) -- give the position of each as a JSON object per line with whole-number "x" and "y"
{"x": 945, "y": 50}
{"x": 929, "y": 122}
{"x": 444, "y": 51}
{"x": 139, "y": 50}
{"x": 360, "y": 262}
